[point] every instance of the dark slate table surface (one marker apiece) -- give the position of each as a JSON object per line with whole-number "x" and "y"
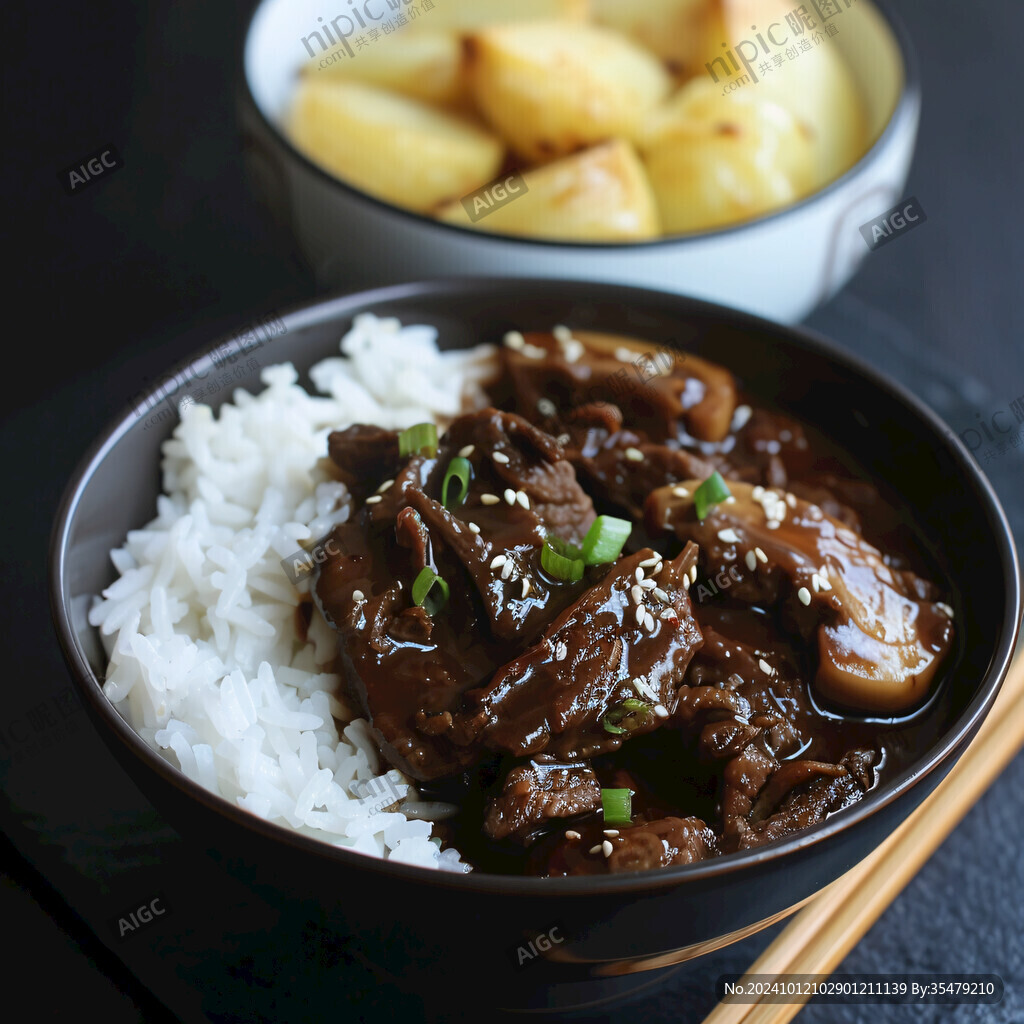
{"x": 112, "y": 286}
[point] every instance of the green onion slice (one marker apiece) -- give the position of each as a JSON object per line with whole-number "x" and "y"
{"x": 628, "y": 716}
{"x": 561, "y": 560}
{"x": 458, "y": 469}
{"x": 711, "y": 492}
{"x": 604, "y": 540}
{"x": 617, "y": 806}
{"x": 425, "y": 594}
{"x": 418, "y": 440}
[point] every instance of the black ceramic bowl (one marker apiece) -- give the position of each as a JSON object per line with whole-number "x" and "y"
{"x": 425, "y": 926}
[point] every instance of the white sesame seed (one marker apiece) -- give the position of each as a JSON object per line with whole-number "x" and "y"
{"x": 498, "y": 561}
{"x": 815, "y": 582}
{"x": 572, "y": 350}
{"x": 791, "y": 500}
{"x": 534, "y": 351}
{"x": 634, "y": 454}
{"x": 625, "y": 355}
{"x": 765, "y": 667}
{"x": 570, "y": 834}
{"x": 374, "y": 499}
{"x": 729, "y": 535}
{"x": 563, "y": 439}
{"x": 761, "y": 556}
{"x": 944, "y": 608}
{"x": 489, "y": 499}
{"x": 668, "y": 613}
{"x": 596, "y": 849}
{"x": 686, "y": 583}
{"x": 637, "y": 593}
{"x": 729, "y": 501}
{"x": 647, "y": 584}
{"x": 514, "y": 340}
{"x": 693, "y": 574}
{"x": 772, "y": 524}
{"x": 824, "y": 583}
{"x": 358, "y": 595}
{"x": 384, "y": 486}
{"x": 474, "y": 527}
{"x": 561, "y": 651}
{"x": 805, "y": 595}
{"x": 522, "y": 498}
{"x": 639, "y": 574}
{"x": 606, "y": 848}
{"x": 649, "y": 622}
{"x": 741, "y": 416}
{"x": 757, "y": 493}
{"x": 561, "y": 332}
{"x": 657, "y": 569}
{"x": 680, "y": 492}
{"x": 661, "y": 711}
{"x": 823, "y": 572}
{"x": 661, "y": 595}
{"x": 611, "y": 833}
{"x": 507, "y": 569}
{"x": 501, "y": 458}
{"x": 751, "y": 559}
{"x": 526, "y": 588}
{"x": 640, "y": 613}
{"x": 648, "y": 562}
{"x": 464, "y": 453}
{"x": 509, "y": 496}
{"x": 546, "y": 407}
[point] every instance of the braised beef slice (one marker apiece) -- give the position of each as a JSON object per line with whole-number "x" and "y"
{"x": 841, "y": 786}
{"x": 879, "y": 645}
{"x": 538, "y": 791}
{"x": 555, "y": 696}
{"x": 364, "y": 455}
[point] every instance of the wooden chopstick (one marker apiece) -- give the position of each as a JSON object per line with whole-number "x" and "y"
{"x": 820, "y": 935}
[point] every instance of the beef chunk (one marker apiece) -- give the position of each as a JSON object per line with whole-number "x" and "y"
{"x": 556, "y": 695}
{"x": 538, "y": 791}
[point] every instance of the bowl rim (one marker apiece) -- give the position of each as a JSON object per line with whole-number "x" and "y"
{"x": 340, "y": 305}
{"x": 907, "y": 107}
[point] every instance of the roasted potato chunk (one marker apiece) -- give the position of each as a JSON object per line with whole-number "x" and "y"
{"x": 425, "y": 65}
{"x": 553, "y": 88}
{"x": 674, "y": 30}
{"x": 599, "y": 195}
{"x": 467, "y": 15}
{"x": 391, "y": 146}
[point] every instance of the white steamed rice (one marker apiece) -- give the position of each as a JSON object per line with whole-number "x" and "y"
{"x": 205, "y": 662}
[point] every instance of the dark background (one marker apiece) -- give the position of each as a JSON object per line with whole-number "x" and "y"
{"x": 156, "y": 259}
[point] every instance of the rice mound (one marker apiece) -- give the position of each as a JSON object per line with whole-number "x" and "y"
{"x": 205, "y": 659}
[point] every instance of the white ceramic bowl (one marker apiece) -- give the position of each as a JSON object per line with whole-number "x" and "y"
{"x": 779, "y": 266}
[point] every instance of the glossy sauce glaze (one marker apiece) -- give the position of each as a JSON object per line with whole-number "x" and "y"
{"x": 741, "y": 676}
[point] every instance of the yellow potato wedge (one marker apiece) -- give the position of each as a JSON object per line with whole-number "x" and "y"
{"x": 468, "y": 15}
{"x": 393, "y": 147}
{"x": 715, "y": 160}
{"x": 599, "y": 195}
{"x": 674, "y": 30}
{"x": 817, "y": 86}
{"x": 551, "y": 88}
{"x": 425, "y": 65}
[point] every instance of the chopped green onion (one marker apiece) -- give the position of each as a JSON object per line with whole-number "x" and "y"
{"x": 423, "y": 592}
{"x": 458, "y": 469}
{"x": 418, "y": 440}
{"x": 561, "y": 560}
{"x": 604, "y": 540}
{"x": 631, "y": 712}
{"x": 711, "y": 492}
{"x": 617, "y": 806}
